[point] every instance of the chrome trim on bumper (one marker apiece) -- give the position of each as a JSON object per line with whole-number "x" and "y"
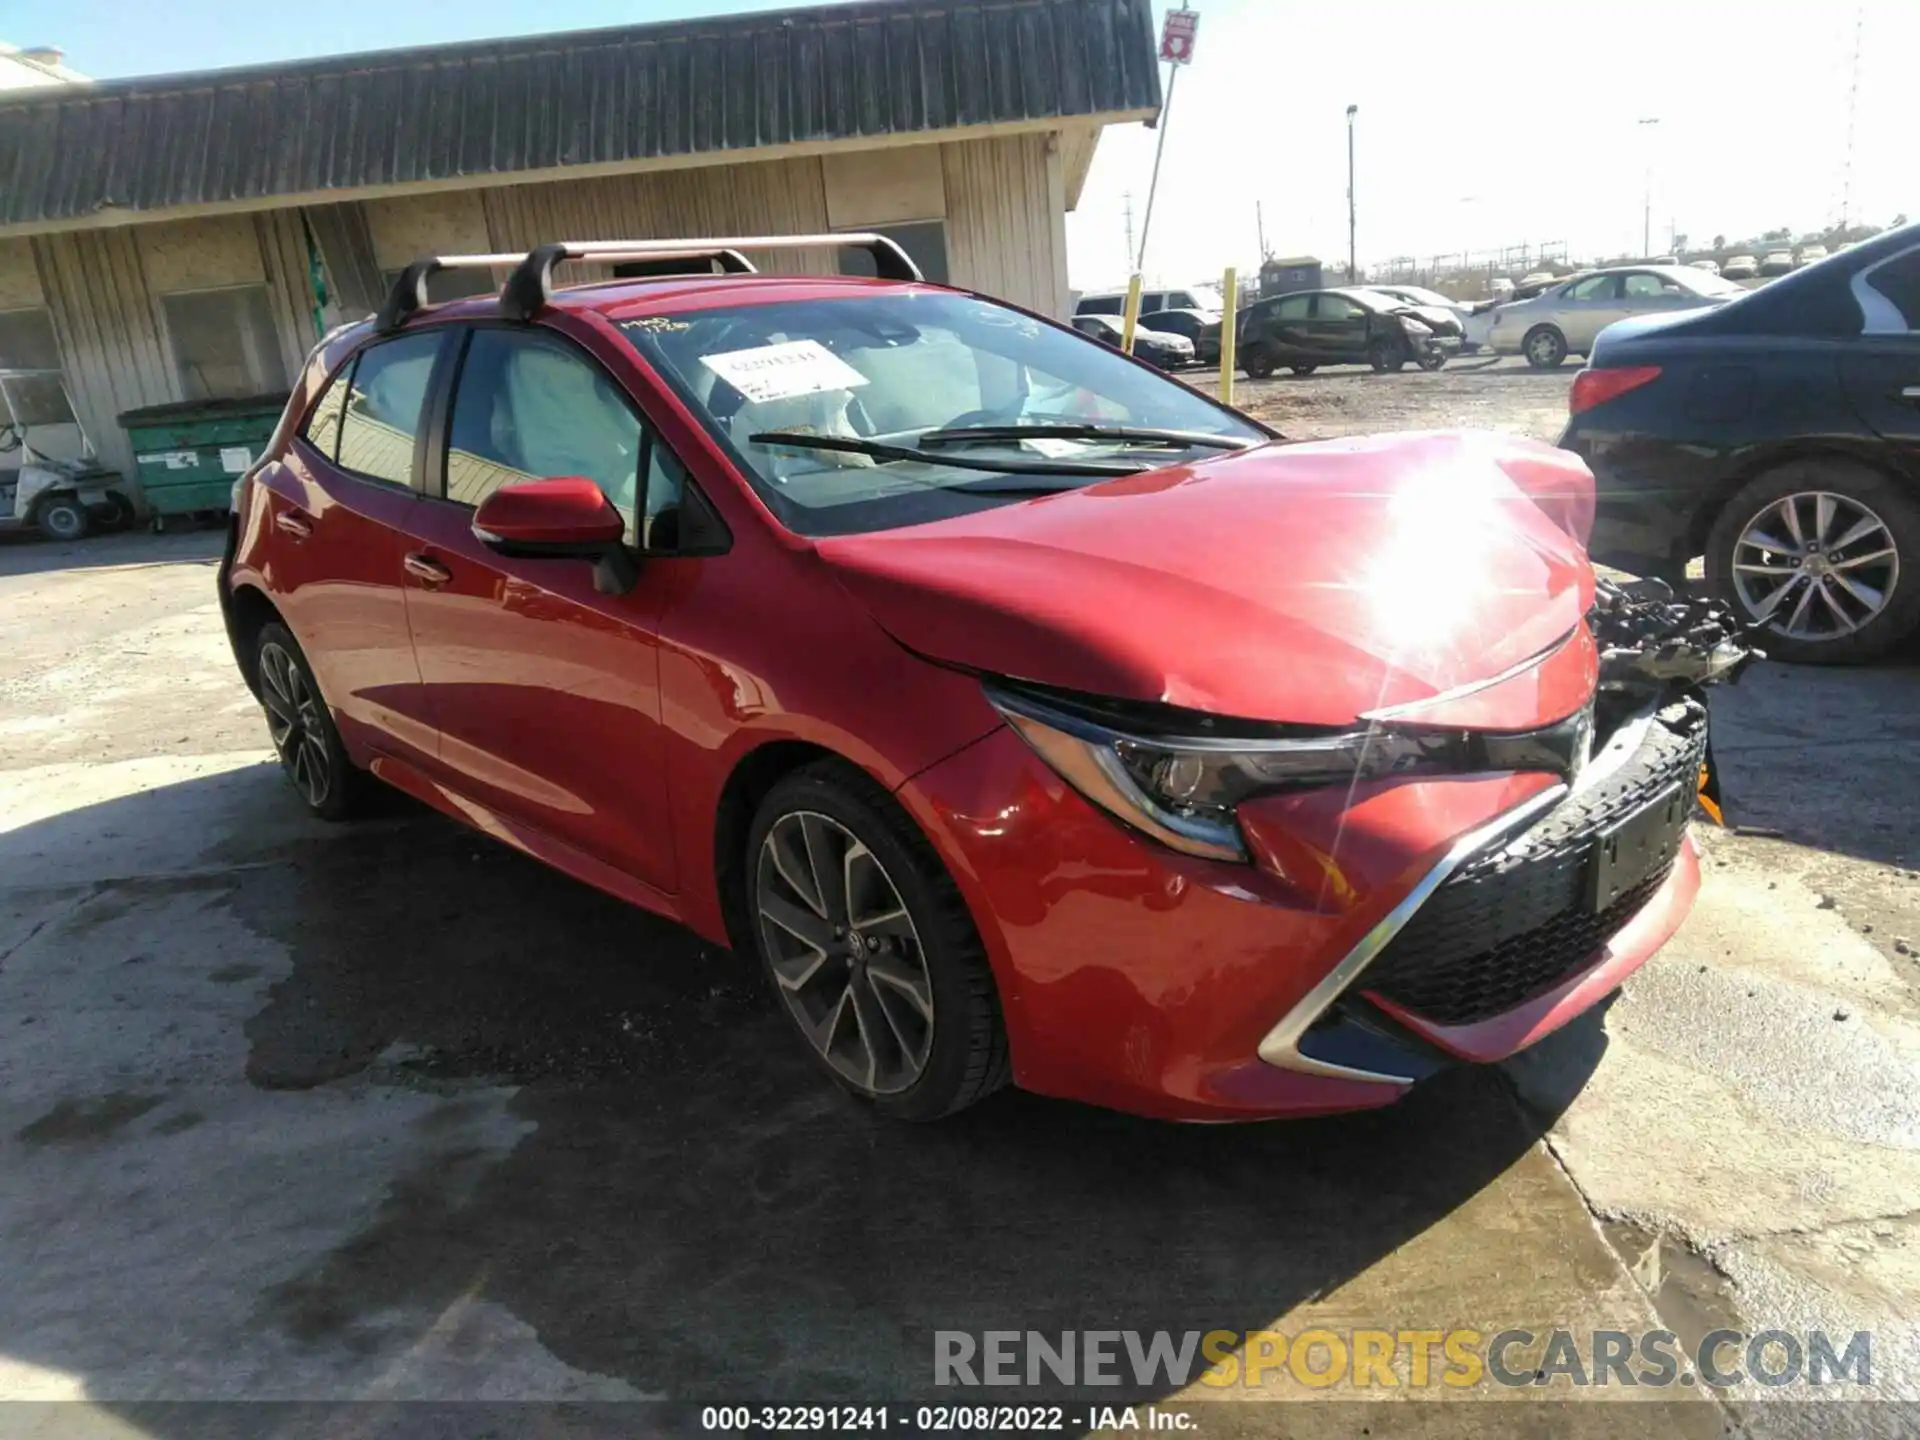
{"x": 1281, "y": 1047}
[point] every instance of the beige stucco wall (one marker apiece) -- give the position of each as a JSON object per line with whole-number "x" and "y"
{"x": 206, "y": 254}
{"x": 408, "y": 226}
{"x": 19, "y": 279}
{"x": 883, "y": 187}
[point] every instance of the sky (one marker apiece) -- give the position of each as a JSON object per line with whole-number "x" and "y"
{"x": 1480, "y": 125}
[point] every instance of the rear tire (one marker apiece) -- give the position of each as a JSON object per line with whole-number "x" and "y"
{"x": 882, "y": 971}
{"x": 1859, "y": 501}
{"x": 302, "y": 730}
{"x": 62, "y": 517}
{"x": 1545, "y": 347}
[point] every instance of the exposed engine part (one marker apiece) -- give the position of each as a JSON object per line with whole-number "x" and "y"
{"x": 1651, "y": 639}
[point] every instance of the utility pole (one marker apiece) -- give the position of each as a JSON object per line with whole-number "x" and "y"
{"x": 1646, "y": 214}
{"x": 1853, "y": 104}
{"x": 1129, "y": 200}
{"x": 1260, "y": 228}
{"x": 1353, "y": 271}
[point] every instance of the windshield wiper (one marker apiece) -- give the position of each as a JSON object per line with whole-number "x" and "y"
{"x": 985, "y": 434}
{"x": 880, "y": 450}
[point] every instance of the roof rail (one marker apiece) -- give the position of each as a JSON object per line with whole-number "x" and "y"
{"x": 530, "y": 287}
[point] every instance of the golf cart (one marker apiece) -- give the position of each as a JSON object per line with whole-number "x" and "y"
{"x": 62, "y": 499}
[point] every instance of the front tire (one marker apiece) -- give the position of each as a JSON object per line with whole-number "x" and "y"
{"x": 1303, "y": 369}
{"x": 1545, "y": 347}
{"x": 1432, "y": 359}
{"x": 870, "y": 948}
{"x": 1257, "y": 363}
{"x": 62, "y": 517}
{"x": 302, "y": 729}
{"x": 1387, "y": 356}
{"x": 1827, "y": 552}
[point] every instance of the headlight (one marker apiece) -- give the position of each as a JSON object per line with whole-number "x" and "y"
{"x": 1184, "y": 790}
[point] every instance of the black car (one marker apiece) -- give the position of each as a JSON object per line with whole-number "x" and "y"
{"x": 1348, "y": 326}
{"x": 1167, "y": 352}
{"x": 1202, "y": 327}
{"x": 1778, "y": 436}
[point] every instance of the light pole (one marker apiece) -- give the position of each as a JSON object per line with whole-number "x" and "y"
{"x": 1646, "y": 212}
{"x": 1352, "y": 270}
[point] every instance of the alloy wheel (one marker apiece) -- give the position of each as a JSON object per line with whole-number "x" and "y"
{"x": 295, "y": 723}
{"x": 844, "y": 952}
{"x": 1815, "y": 565}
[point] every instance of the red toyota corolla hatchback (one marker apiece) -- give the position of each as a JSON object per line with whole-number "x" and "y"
{"x": 1030, "y": 715}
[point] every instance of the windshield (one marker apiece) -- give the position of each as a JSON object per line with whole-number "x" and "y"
{"x": 1421, "y": 297}
{"x": 892, "y": 367}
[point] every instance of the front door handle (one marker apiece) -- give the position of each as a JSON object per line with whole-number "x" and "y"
{"x": 294, "y": 523}
{"x": 1910, "y": 392}
{"x": 426, "y": 569}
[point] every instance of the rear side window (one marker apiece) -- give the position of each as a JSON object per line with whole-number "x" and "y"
{"x": 1102, "y": 305}
{"x": 1897, "y": 281}
{"x": 1294, "y": 307}
{"x": 529, "y": 408}
{"x": 381, "y": 418}
{"x": 1595, "y": 287}
{"x": 322, "y": 430}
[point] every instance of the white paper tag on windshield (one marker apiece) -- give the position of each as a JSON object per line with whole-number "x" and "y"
{"x": 780, "y": 372}
{"x": 1055, "y": 449}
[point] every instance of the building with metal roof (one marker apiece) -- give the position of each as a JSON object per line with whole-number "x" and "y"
{"x": 187, "y": 236}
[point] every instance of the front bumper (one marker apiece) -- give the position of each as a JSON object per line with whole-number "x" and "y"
{"x": 1137, "y": 978}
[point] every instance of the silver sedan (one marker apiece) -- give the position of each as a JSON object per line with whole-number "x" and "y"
{"x": 1564, "y": 320}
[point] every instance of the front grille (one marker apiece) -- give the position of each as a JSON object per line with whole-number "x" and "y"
{"x": 1512, "y": 922}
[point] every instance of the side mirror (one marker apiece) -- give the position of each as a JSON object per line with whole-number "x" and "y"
{"x": 567, "y": 518}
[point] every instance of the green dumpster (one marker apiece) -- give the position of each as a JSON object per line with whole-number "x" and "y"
{"x": 190, "y": 453}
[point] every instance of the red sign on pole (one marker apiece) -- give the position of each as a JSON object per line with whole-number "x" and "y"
{"x": 1176, "y": 36}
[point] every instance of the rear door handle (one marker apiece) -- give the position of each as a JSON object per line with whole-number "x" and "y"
{"x": 426, "y": 569}
{"x": 1910, "y": 392}
{"x": 294, "y": 523}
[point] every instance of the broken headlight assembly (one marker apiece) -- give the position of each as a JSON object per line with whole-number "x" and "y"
{"x": 1161, "y": 772}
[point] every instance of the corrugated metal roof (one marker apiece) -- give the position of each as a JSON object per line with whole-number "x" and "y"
{"x": 580, "y": 98}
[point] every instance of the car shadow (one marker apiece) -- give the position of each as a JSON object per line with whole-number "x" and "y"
{"x": 28, "y": 554}
{"x": 693, "y": 1209}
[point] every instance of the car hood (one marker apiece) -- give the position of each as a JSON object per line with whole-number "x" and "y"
{"x": 1300, "y": 583}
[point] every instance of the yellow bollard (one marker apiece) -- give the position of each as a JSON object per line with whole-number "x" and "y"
{"x": 1132, "y": 316}
{"x": 1230, "y": 295}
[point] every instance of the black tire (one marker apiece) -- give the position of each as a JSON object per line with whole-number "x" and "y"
{"x": 1545, "y": 347}
{"x": 62, "y": 517}
{"x": 1899, "y": 582}
{"x": 965, "y": 1041}
{"x": 1256, "y": 362}
{"x": 1303, "y": 369}
{"x": 1431, "y": 359}
{"x": 1387, "y": 355}
{"x": 307, "y": 743}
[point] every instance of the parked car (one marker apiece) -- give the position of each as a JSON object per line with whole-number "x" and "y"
{"x": 1664, "y": 260}
{"x": 1167, "y": 351}
{"x": 1356, "y": 326}
{"x": 1114, "y": 302}
{"x": 1023, "y": 712}
{"x": 1712, "y": 267}
{"x": 1810, "y": 255}
{"x": 1740, "y": 267}
{"x": 1420, "y": 296}
{"x": 1778, "y": 436}
{"x": 63, "y": 499}
{"x": 1565, "y": 319}
{"x": 1777, "y": 262}
{"x": 1201, "y": 328}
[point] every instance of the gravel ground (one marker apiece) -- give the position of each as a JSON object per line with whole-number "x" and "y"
{"x": 1504, "y": 395}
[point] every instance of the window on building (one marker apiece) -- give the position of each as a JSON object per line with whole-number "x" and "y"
{"x": 223, "y": 341}
{"x": 924, "y": 241}
{"x": 31, "y": 393}
{"x": 529, "y": 408}
{"x": 382, "y": 416}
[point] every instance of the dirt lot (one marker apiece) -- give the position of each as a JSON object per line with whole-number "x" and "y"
{"x": 1481, "y": 394}
{"x": 387, "y": 1112}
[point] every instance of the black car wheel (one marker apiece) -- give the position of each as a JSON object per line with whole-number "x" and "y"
{"x": 1387, "y": 354}
{"x": 870, "y": 947}
{"x": 302, "y": 729}
{"x": 1432, "y": 359}
{"x": 1303, "y": 369}
{"x": 1545, "y": 347}
{"x": 62, "y": 518}
{"x": 1257, "y": 363}
{"x": 1827, "y": 553}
